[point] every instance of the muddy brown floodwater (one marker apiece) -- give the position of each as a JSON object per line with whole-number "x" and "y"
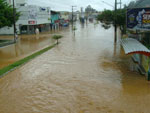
{"x": 26, "y": 45}
{"x": 85, "y": 73}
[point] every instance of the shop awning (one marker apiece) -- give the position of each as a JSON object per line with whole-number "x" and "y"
{"x": 133, "y": 46}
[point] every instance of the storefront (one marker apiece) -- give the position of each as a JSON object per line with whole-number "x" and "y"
{"x": 30, "y": 29}
{"x": 138, "y": 43}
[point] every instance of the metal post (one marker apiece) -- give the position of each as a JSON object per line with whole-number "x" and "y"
{"x": 72, "y": 15}
{"x": 115, "y": 21}
{"x": 14, "y": 15}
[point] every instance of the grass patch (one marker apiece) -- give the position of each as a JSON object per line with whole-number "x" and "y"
{"x": 24, "y": 60}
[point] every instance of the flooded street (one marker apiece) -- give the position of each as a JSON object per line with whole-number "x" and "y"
{"x": 85, "y": 73}
{"x": 27, "y": 45}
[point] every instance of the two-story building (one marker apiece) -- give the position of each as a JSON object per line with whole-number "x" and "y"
{"x": 31, "y": 17}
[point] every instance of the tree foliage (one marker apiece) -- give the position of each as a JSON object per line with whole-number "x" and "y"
{"x": 106, "y": 16}
{"x": 6, "y": 14}
{"x": 109, "y": 17}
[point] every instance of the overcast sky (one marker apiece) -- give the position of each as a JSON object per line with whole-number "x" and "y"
{"x": 65, "y": 5}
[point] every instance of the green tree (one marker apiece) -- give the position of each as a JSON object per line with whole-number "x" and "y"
{"x": 108, "y": 17}
{"x": 6, "y": 14}
{"x": 121, "y": 19}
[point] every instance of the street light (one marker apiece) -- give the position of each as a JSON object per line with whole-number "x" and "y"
{"x": 14, "y": 21}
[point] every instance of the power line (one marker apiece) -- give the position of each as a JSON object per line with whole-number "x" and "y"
{"x": 108, "y": 4}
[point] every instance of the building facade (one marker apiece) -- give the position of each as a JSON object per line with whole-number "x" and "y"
{"x": 31, "y": 17}
{"x": 34, "y": 17}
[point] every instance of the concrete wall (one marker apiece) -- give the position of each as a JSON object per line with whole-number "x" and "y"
{"x": 54, "y": 17}
{"x": 8, "y": 30}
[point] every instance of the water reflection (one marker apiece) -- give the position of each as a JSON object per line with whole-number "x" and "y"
{"x": 132, "y": 82}
{"x": 26, "y": 45}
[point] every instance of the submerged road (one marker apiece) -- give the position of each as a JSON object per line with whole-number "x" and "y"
{"x": 85, "y": 73}
{"x": 26, "y": 45}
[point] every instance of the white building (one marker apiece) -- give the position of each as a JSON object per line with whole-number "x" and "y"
{"x": 34, "y": 17}
{"x": 31, "y": 17}
{"x": 64, "y": 15}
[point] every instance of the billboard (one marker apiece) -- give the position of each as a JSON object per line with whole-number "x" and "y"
{"x": 138, "y": 19}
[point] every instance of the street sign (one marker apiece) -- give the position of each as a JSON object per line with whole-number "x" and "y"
{"x": 138, "y": 19}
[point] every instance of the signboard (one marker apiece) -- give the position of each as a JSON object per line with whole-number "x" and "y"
{"x": 32, "y": 22}
{"x": 138, "y": 19}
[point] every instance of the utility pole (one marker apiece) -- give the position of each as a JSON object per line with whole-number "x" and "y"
{"x": 115, "y": 21}
{"x": 120, "y": 4}
{"x": 14, "y": 17}
{"x": 73, "y": 15}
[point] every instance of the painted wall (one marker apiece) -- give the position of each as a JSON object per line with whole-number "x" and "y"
{"x": 54, "y": 17}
